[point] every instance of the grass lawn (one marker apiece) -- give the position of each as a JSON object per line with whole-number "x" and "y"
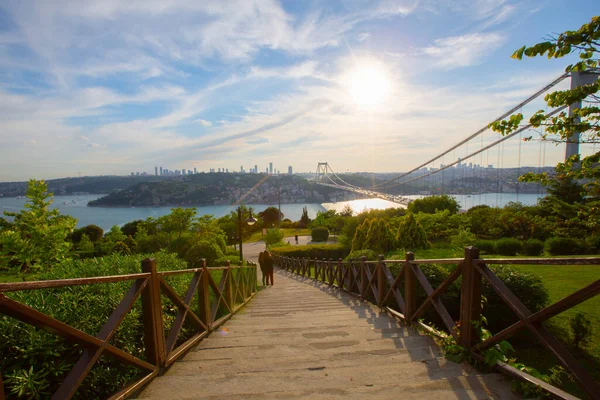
{"x": 287, "y": 232}
{"x": 10, "y": 277}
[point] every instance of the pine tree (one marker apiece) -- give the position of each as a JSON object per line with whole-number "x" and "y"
{"x": 304, "y": 220}
{"x": 85, "y": 247}
{"x": 411, "y": 234}
{"x": 379, "y": 237}
{"x": 360, "y": 235}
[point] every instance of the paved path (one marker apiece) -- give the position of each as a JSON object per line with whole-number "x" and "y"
{"x": 301, "y": 340}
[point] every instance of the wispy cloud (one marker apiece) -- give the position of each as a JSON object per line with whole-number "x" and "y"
{"x": 465, "y": 50}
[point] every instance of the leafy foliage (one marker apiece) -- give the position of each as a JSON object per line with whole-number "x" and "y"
{"x": 563, "y": 246}
{"x": 320, "y": 251}
{"x": 379, "y": 238}
{"x": 508, "y": 246}
{"x": 584, "y": 121}
{"x": 304, "y": 219}
{"x": 360, "y": 235}
{"x": 93, "y": 232}
{"x": 411, "y": 234}
{"x": 36, "y": 239}
{"x": 319, "y": 234}
{"x": 533, "y": 247}
{"x": 432, "y": 204}
{"x": 270, "y": 216}
{"x": 581, "y": 328}
{"x": 273, "y": 236}
{"x": 358, "y": 254}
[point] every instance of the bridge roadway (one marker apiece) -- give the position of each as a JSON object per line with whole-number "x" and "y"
{"x": 301, "y": 339}
{"x": 385, "y": 196}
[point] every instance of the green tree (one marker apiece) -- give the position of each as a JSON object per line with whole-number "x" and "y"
{"x": 360, "y": 235}
{"x": 433, "y": 204}
{"x": 93, "y": 232}
{"x": 111, "y": 239}
{"x": 304, "y": 219}
{"x": 584, "y": 121}
{"x": 379, "y": 238}
{"x": 273, "y": 236}
{"x": 85, "y": 247}
{"x": 411, "y": 234}
{"x": 130, "y": 228}
{"x": 269, "y": 216}
{"x": 36, "y": 239}
{"x": 177, "y": 222}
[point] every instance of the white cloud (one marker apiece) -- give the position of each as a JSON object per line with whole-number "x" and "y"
{"x": 204, "y": 122}
{"x": 465, "y": 50}
{"x": 30, "y": 142}
{"x": 361, "y": 37}
{"x": 84, "y": 138}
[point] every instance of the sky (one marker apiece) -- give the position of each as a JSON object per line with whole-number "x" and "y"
{"x": 110, "y": 87}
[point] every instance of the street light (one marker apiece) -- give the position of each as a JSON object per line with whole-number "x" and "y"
{"x": 250, "y": 221}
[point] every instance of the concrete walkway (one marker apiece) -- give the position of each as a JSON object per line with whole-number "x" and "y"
{"x": 301, "y": 340}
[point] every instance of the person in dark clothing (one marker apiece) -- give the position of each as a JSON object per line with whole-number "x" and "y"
{"x": 261, "y": 264}
{"x": 268, "y": 265}
{"x": 296, "y": 237}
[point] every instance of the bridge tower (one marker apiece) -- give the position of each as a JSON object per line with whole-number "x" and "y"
{"x": 578, "y": 78}
{"x": 321, "y": 174}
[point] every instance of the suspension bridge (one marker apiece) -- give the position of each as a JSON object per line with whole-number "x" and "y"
{"x": 484, "y": 162}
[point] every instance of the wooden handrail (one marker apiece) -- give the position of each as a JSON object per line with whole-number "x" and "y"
{"x": 236, "y": 287}
{"x": 372, "y": 280}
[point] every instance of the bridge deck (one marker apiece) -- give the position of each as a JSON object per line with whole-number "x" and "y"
{"x": 300, "y": 339}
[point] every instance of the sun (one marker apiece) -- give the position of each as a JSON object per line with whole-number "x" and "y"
{"x": 368, "y": 85}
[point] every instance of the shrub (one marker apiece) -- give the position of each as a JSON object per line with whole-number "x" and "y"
{"x": 411, "y": 234}
{"x": 85, "y": 308}
{"x": 233, "y": 260}
{"x": 379, "y": 237}
{"x": 533, "y": 247}
{"x": 93, "y": 232}
{"x": 594, "y": 244}
{"x": 360, "y": 235}
{"x": 312, "y": 251}
{"x": 206, "y": 249}
{"x": 508, "y": 246}
{"x": 273, "y": 236}
{"x": 562, "y": 246}
{"x": 433, "y": 204}
{"x": 581, "y": 327}
{"x": 486, "y": 246}
{"x": 320, "y": 234}
{"x": 130, "y": 228}
{"x": 357, "y": 254}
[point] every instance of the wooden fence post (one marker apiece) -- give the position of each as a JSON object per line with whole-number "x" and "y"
{"x": 228, "y": 279}
{"x": 470, "y": 298}
{"x": 410, "y": 287}
{"x": 330, "y": 272}
{"x": 340, "y": 274}
{"x": 154, "y": 335}
{"x": 363, "y": 277}
{"x": 204, "y": 298}
{"x": 380, "y": 281}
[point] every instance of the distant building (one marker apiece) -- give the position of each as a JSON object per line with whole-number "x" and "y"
{"x": 195, "y": 172}
{"x": 161, "y": 171}
{"x": 137, "y": 173}
{"x": 290, "y": 170}
{"x": 270, "y": 167}
{"x": 156, "y": 171}
{"x": 256, "y": 169}
{"x": 241, "y": 168}
{"x": 132, "y": 174}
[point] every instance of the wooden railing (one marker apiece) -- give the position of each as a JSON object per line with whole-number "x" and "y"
{"x": 373, "y": 281}
{"x": 235, "y": 288}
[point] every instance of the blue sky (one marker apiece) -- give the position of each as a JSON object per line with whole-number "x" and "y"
{"x": 109, "y": 87}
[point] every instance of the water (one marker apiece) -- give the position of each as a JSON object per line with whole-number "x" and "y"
{"x": 76, "y": 206}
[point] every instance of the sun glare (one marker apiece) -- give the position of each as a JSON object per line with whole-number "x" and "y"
{"x": 368, "y": 85}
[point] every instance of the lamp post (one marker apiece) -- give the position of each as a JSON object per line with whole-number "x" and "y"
{"x": 250, "y": 221}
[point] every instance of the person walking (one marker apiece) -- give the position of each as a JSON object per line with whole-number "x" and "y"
{"x": 296, "y": 240}
{"x": 268, "y": 263}
{"x": 261, "y": 264}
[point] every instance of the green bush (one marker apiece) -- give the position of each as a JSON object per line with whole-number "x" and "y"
{"x": 312, "y": 251}
{"x": 94, "y": 233}
{"x": 411, "y": 234}
{"x": 533, "y": 247}
{"x": 319, "y": 234}
{"x": 562, "y": 246}
{"x": 486, "y": 246}
{"x": 86, "y": 308}
{"x": 273, "y": 236}
{"x": 509, "y": 246}
{"x": 379, "y": 238}
{"x": 581, "y": 328}
{"x": 206, "y": 249}
{"x": 357, "y": 254}
{"x": 360, "y": 234}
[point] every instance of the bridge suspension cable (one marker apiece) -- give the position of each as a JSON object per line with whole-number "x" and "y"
{"x": 386, "y": 184}
{"x": 517, "y": 132}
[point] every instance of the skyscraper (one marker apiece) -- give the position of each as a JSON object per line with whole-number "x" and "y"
{"x": 195, "y": 172}
{"x": 270, "y": 167}
{"x": 161, "y": 171}
{"x": 290, "y": 170}
{"x": 255, "y": 169}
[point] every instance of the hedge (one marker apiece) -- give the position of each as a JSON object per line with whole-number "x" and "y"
{"x": 320, "y": 234}
{"x": 312, "y": 251}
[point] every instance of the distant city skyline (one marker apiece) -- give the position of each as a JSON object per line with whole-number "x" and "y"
{"x": 113, "y": 87}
